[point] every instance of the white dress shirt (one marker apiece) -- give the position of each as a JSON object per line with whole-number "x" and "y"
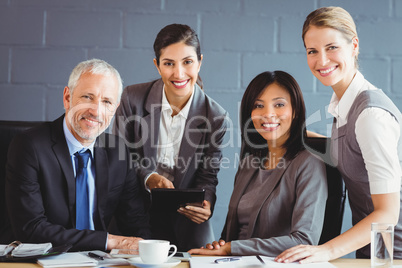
{"x": 171, "y": 130}
{"x": 377, "y": 133}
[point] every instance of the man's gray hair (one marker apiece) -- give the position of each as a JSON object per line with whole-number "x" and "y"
{"x": 93, "y": 66}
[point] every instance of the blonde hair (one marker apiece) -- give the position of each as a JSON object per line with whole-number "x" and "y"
{"x": 332, "y": 17}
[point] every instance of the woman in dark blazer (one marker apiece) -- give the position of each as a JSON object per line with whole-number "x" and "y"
{"x": 280, "y": 190}
{"x": 175, "y": 131}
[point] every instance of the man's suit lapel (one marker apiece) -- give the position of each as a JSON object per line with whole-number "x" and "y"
{"x": 193, "y": 133}
{"x": 101, "y": 176}
{"x": 62, "y": 154}
{"x": 150, "y": 127}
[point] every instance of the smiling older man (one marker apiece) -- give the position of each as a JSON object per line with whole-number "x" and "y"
{"x": 66, "y": 179}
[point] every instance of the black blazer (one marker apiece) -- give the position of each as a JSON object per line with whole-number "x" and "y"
{"x": 40, "y": 189}
{"x": 137, "y": 120}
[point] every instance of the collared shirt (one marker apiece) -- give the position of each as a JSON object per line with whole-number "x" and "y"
{"x": 171, "y": 130}
{"x": 75, "y": 146}
{"x": 377, "y": 133}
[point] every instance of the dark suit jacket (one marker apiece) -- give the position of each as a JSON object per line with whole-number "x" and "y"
{"x": 288, "y": 211}
{"x": 40, "y": 189}
{"x": 138, "y": 119}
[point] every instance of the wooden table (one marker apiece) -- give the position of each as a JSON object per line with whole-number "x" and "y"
{"x": 340, "y": 263}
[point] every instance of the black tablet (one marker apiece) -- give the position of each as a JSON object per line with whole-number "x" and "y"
{"x": 170, "y": 200}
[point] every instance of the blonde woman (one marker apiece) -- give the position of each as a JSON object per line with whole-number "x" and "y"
{"x": 366, "y": 143}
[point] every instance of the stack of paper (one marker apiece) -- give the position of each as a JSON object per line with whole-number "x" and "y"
{"x": 70, "y": 259}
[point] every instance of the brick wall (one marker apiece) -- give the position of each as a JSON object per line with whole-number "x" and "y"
{"x": 42, "y": 40}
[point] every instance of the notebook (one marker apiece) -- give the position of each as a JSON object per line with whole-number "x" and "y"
{"x": 26, "y": 252}
{"x": 25, "y": 249}
{"x": 18, "y": 249}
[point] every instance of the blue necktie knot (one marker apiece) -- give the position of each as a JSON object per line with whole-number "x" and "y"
{"x": 83, "y": 158}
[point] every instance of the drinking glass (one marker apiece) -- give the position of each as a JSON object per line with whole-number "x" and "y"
{"x": 382, "y": 244}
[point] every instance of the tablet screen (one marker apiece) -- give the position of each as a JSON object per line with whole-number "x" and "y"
{"x": 172, "y": 199}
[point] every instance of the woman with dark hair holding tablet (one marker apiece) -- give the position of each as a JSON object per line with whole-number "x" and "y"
{"x": 280, "y": 190}
{"x": 175, "y": 132}
{"x": 365, "y": 140}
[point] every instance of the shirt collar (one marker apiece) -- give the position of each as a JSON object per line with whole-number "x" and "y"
{"x": 183, "y": 112}
{"x": 340, "y": 108}
{"x": 73, "y": 144}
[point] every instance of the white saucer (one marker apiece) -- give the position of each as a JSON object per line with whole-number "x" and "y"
{"x": 138, "y": 262}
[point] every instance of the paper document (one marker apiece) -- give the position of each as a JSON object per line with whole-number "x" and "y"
{"x": 245, "y": 261}
{"x": 270, "y": 261}
{"x": 69, "y": 259}
{"x": 107, "y": 258}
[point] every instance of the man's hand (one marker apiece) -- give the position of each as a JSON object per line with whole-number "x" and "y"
{"x": 116, "y": 241}
{"x": 158, "y": 181}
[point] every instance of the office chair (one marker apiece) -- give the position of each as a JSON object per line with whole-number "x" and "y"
{"x": 8, "y": 129}
{"x": 336, "y": 189}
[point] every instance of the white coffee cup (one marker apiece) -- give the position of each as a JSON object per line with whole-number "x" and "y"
{"x": 155, "y": 251}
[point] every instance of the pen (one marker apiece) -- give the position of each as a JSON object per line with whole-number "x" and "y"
{"x": 260, "y": 259}
{"x": 221, "y": 260}
{"x": 95, "y": 256}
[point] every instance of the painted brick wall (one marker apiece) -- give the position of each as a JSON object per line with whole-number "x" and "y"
{"x": 42, "y": 40}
